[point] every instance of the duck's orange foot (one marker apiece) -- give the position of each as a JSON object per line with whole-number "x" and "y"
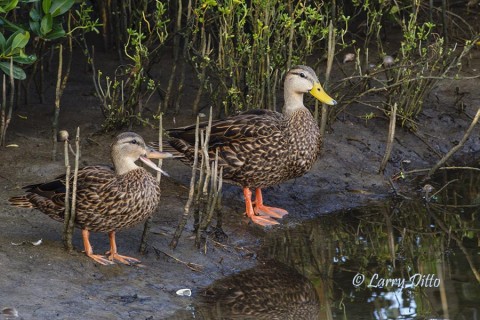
{"x": 122, "y": 259}
{"x": 264, "y": 220}
{"x": 273, "y": 212}
{"x": 100, "y": 259}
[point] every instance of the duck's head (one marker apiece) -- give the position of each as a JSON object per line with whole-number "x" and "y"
{"x": 129, "y": 147}
{"x": 300, "y": 80}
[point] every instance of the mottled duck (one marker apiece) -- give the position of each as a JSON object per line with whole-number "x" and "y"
{"x": 108, "y": 199}
{"x": 269, "y": 291}
{"x": 262, "y": 148}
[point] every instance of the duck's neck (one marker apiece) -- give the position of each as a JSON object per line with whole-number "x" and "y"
{"x": 124, "y": 165}
{"x": 293, "y": 102}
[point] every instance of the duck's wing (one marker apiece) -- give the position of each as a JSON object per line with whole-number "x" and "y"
{"x": 51, "y": 195}
{"x": 235, "y": 138}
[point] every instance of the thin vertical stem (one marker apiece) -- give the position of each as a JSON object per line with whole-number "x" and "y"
{"x": 330, "y": 57}
{"x": 71, "y": 221}
{"x": 391, "y": 136}
{"x": 58, "y": 94}
{"x": 186, "y": 211}
{"x": 148, "y": 222}
{"x": 66, "y": 221}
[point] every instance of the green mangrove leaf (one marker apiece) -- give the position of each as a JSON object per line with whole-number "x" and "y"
{"x": 10, "y": 26}
{"x": 25, "y": 58}
{"x": 18, "y": 72}
{"x": 56, "y": 33}
{"x": 35, "y": 27}
{"x": 3, "y": 42}
{"x": 46, "y": 24}
{"x": 35, "y": 15}
{"x": 46, "y": 5}
{"x": 20, "y": 40}
{"x": 8, "y": 44}
{"x": 59, "y": 7}
{"x": 7, "y": 5}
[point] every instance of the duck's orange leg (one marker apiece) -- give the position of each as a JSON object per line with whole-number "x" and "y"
{"x": 113, "y": 254}
{"x": 262, "y": 210}
{"x": 89, "y": 251}
{"x": 261, "y": 220}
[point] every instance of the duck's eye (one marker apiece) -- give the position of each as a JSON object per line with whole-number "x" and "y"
{"x": 134, "y": 141}
{"x": 302, "y": 75}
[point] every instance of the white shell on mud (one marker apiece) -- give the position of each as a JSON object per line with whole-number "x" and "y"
{"x": 388, "y": 61}
{"x": 184, "y": 292}
{"x": 349, "y": 57}
{"x": 9, "y": 313}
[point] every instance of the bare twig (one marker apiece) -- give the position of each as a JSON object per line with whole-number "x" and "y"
{"x": 458, "y": 146}
{"x": 186, "y": 210}
{"x": 7, "y": 116}
{"x": 330, "y": 59}
{"x": 192, "y": 266}
{"x": 58, "y": 94}
{"x": 148, "y": 222}
{"x": 391, "y": 136}
{"x": 71, "y": 221}
{"x": 66, "y": 242}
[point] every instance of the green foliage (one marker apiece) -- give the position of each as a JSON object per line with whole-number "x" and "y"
{"x": 257, "y": 40}
{"x": 123, "y": 96}
{"x": 46, "y": 19}
{"x": 417, "y": 62}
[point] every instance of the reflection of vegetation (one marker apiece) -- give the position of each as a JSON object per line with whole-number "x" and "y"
{"x": 396, "y": 240}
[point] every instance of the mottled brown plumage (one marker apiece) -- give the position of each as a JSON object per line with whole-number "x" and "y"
{"x": 108, "y": 199}
{"x": 269, "y": 291}
{"x": 262, "y": 148}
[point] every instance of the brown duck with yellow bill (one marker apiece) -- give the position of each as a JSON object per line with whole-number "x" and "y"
{"x": 262, "y": 148}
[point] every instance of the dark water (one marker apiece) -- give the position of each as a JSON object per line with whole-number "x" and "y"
{"x": 412, "y": 259}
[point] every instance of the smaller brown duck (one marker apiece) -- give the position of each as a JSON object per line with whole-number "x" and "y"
{"x": 108, "y": 199}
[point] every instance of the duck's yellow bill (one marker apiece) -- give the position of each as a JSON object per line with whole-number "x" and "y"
{"x": 320, "y": 94}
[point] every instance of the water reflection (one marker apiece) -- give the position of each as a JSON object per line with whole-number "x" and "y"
{"x": 396, "y": 260}
{"x": 403, "y": 260}
{"x": 271, "y": 290}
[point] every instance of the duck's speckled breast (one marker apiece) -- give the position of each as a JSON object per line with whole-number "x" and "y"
{"x": 289, "y": 152}
{"x": 305, "y": 143}
{"x": 122, "y": 202}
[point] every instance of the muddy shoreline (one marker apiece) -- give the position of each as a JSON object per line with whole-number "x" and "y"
{"x": 45, "y": 282}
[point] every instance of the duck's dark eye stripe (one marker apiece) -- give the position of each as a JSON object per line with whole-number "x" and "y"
{"x": 301, "y": 74}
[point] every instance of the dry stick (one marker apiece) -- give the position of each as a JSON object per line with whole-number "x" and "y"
{"x": 193, "y": 266}
{"x": 186, "y": 211}
{"x": 6, "y": 117}
{"x": 391, "y": 136}
{"x": 67, "y": 244}
{"x": 3, "y": 114}
{"x": 148, "y": 222}
{"x": 71, "y": 221}
{"x": 330, "y": 57}
{"x": 458, "y": 146}
{"x": 10, "y": 106}
{"x": 3, "y": 108}
{"x": 215, "y": 192}
{"x": 58, "y": 94}
{"x": 176, "y": 44}
{"x": 202, "y": 76}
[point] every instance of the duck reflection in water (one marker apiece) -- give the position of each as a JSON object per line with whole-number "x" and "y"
{"x": 269, "y": 291}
